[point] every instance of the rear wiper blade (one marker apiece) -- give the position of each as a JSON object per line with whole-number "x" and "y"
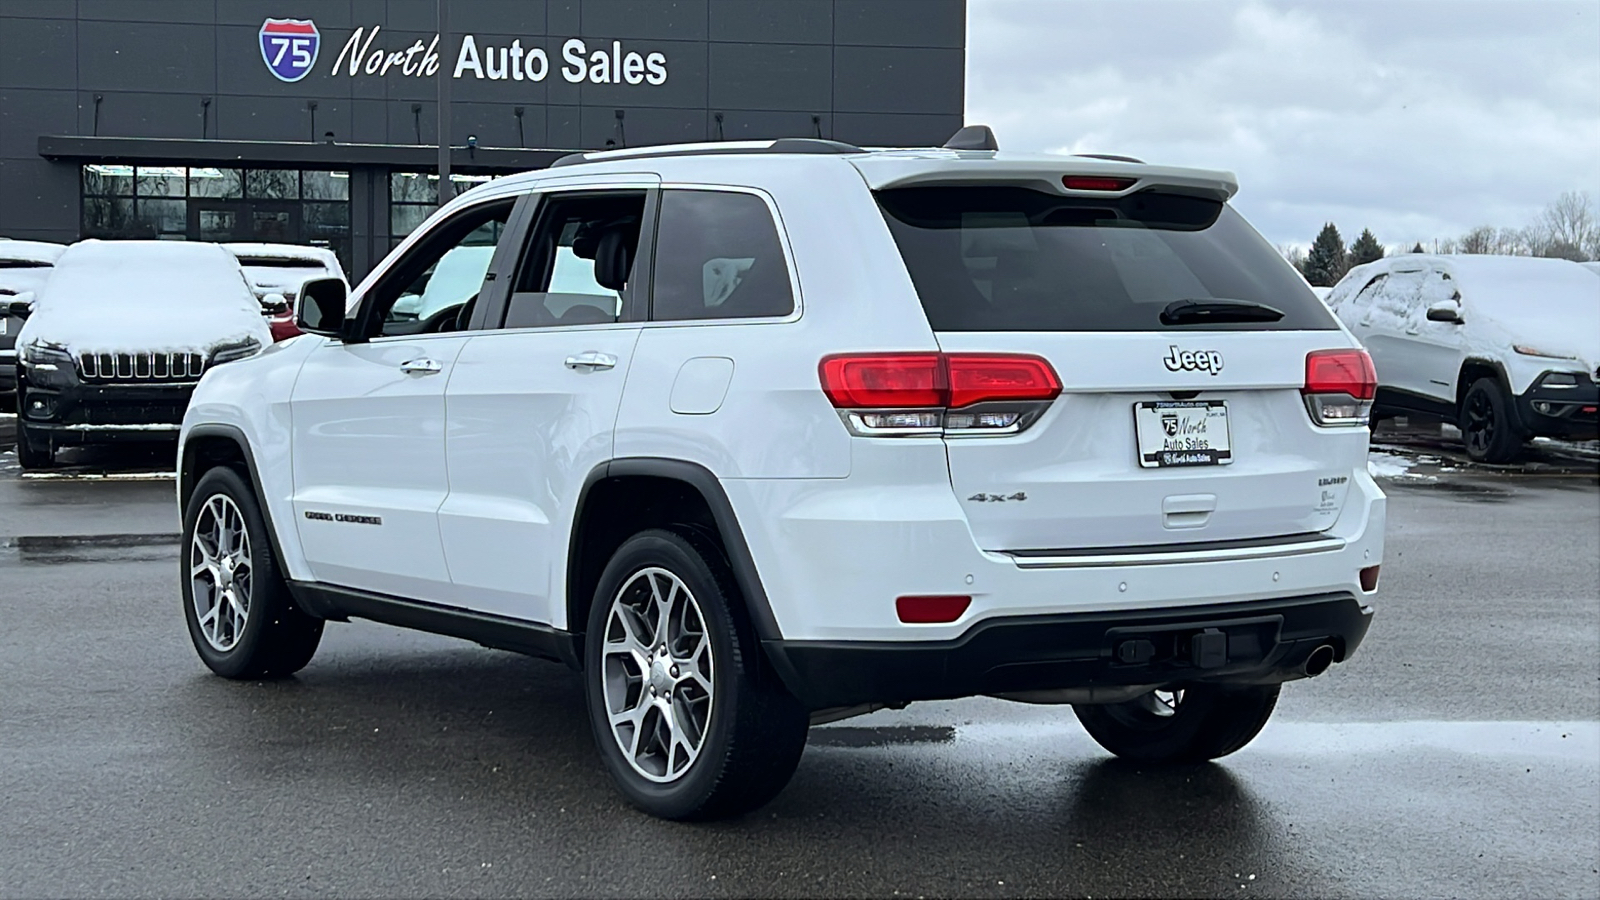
{"x": 1189, "y": 312}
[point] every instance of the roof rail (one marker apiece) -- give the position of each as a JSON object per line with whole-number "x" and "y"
{"x": 1111, "y": 156}
{"x": 781, "y": 145}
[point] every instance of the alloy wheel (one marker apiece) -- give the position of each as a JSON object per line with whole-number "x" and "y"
{"x": 221, "y": 572}
{"x": 657, "y": 674}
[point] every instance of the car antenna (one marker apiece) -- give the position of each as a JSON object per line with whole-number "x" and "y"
{"x": 972, "y": 137}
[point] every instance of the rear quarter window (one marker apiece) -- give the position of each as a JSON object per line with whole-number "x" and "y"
{"x": 998, "y": 258}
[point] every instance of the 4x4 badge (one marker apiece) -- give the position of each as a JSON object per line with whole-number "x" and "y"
{"x": 1192, "y": 360}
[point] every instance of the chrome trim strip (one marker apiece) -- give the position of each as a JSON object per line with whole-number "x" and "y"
{"x": 151, "y": 427}
{"x": 1175, "y": 557}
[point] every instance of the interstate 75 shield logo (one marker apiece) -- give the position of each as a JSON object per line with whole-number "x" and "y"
{"x": 289, "y": 47}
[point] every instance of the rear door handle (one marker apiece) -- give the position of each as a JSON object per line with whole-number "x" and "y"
{"x": 421, "y": 367}
{"x": 593, "y": 360}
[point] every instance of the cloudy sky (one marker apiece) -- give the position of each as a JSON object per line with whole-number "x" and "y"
{"x": 1418, "y": 119}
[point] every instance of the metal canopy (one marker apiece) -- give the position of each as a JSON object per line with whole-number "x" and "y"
{"x": 291, "y": 154}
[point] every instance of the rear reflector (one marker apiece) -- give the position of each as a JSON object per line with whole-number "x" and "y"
{"x": 1096, "y": 183}
{"x": 1339, "y": 386}
{"x": 931, "y": 610}
{"x": 1369, "y": 579}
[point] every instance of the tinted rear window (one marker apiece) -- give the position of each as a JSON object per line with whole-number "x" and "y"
{"x": 1014, "y": 259}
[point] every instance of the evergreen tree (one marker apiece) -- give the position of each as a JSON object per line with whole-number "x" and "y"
{"x": 1326, "y": 263}
{"x": 1417, "y": 248}
{"x": 1366, "y": 249}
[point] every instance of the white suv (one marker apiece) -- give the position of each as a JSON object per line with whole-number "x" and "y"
{"x": 1506, "y": 346}
{"x": 756, "y": 435}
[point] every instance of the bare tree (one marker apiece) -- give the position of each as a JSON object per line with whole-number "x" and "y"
{"x": 1568, "y": 228}
{"x": 1295, "y": 256}
{"x": 1479, "y": 240}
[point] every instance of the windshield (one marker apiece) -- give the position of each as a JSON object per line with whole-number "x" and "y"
{"x": 995, "y": 258}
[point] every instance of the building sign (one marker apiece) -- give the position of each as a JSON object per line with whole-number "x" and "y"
{"x": 289, "y": 47}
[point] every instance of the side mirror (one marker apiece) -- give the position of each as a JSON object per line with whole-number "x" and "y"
{"x": 1445, "y": 311}
{"x": 274, "y": 304}
{"x": 322, "y": 305}
{"x": 21, "y": 305}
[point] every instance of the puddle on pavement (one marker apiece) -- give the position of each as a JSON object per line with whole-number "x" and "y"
{"x": 87, "y": 548}
{"x": 881, "y": 736}
{"x": 1476, "y": 492}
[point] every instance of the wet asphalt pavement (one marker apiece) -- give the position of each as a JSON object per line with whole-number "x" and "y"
{"x": 1458, "y": 753}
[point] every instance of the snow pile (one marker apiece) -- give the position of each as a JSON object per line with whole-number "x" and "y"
{"x": 1388, "y": 465}
{"x": 146, "y": 296}
{"x": 30, "y": 251}
{"x": 26, "y": 265}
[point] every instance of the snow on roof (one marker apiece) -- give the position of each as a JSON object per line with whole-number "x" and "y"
{"x": 320, "y": 256}
{"x": 146, "y": 295}
{"x": 31, "y": 251}
{"x": 1549, "y": 302}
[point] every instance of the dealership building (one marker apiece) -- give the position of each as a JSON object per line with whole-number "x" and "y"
{"x": 315, "y": 121}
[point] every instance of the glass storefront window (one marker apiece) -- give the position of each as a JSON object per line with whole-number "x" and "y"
{"x": 325, "y": 185}
{"x": 413, "y": 196}
{"x": 202, "y": 203}
{"x": 160, "y": 181}
{"x": 208, "y": 182}
{"x": 108, "y": 181}
{"x": 272, "y": 184}
{"x": 164, "y": 217}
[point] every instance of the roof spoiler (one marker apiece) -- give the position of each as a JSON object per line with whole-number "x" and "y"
{"x": 973, "y": 137}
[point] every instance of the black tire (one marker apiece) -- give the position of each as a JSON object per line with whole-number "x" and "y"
{"x": 1488, "y": 426}
{"x": 33, "y": 452}
{"x": 755, "y": 730}
{"x": 1207, "y": 722}
{"x": 277, "y": 638}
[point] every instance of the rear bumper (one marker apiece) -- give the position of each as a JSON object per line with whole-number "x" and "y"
{"x": 1266, "y": 642}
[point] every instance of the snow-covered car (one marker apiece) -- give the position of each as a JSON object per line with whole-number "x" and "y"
{"x": 24, "y": 266}
{"x": 276, "y": 272}
{"x": 1505, "y": 346}
{"x": 118, "y": 337}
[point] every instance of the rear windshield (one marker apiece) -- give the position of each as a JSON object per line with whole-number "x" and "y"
{"x": 1014, "y": 259}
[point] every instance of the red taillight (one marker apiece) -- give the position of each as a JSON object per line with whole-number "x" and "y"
{"x": 1339, "y": 386}
{"x": 930, "y": 610}
{"x": 983, "y": 377}
{"x": 1096, "y": 183}
{"x": 1341, "y": 372}
{"x": 890, "y": 394}
{"x": 925, "y": 380}
{"x": 885, "y": 380}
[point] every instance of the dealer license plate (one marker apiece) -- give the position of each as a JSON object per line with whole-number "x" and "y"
{"x": 1182, "y": 433}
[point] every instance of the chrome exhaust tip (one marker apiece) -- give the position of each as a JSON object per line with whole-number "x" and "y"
{"x": 1319, "y": 661}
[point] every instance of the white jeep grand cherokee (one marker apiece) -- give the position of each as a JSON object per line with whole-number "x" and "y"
{"x": 756, "y": 435}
